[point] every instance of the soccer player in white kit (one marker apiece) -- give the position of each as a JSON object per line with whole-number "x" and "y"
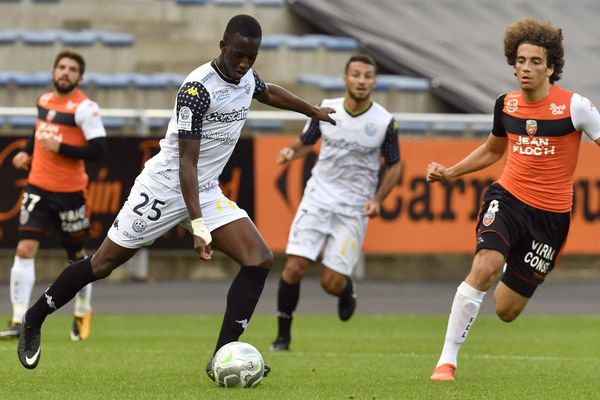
{"x": 180, "y": 186}
{"x": 341, "y": 195}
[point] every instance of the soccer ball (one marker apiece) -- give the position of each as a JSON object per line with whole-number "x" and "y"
{"x": 238, "y": 364}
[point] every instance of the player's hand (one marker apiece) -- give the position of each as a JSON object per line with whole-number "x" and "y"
{"x": 437, "y": 173}
{"x": 322, "y": 114}
{"x": 285, "y": 155}
{"x": 204, "y": 250}
{"x": 50, "y": 144}
{"x": 22, "y": 160}
{"x": 372, "y": 208}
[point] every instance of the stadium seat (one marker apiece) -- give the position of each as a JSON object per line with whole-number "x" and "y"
{"x": 268, "y": 3}
{"x": 39, "y": 38}
{"x": 400, "y": 82}
{"x": 449, "y": 126}
{"x": 191, "y": 2}
{"x": 411, "y": 126}
{"x": 274, "y": 41}
{"x": 229, "y": 2}
{"x": 102, "y": 80}
{"x": 36, "y": 79}
{"x": 21, "y": 121}
{"x": 144, "y": 81}
{"x": 322, "y": 81}
{"x": 173, "y": 79}
{"x": 114, "y": 122}
{"x": 6, "y": 77}
{"x": 77, "y": 38}
{"x": 46, "y": 1}
{"x": 117, "y": 39}
{"x": 336, "y": 42}
{"x": 304, "y": 42}
{"x": 9, "y": 36}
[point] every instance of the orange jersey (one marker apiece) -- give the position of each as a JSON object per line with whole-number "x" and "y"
{"x": 543, "y": 145}
{"x": 57, "y": 118}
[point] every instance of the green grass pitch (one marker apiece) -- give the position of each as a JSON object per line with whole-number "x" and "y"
{"x": 369, "y": 357}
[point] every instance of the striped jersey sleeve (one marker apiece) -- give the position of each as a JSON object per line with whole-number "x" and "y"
{"x": 312, "y": 133}
{"x": 259, "y": 85}
{"x": 192, "y": 102}
{"x": 390, "y": 149}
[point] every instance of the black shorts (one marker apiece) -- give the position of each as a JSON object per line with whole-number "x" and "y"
{"x": 42, "y": 210}
{"x": 530, "y": 239}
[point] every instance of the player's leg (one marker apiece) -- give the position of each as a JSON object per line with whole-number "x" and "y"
{"x": 288, "y": 294}
{"x": 82, "y": 313}
{"x": 465, "y": 307}
{"x": 73, "y": 278}
{"x": 241, "y": 241}
{"x": 340, "y": 257}
{"x": 508, "y": 303}
{"x": 22, "y": 279}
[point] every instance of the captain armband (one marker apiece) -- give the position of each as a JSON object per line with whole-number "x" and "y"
{"x": 201, "y": 230}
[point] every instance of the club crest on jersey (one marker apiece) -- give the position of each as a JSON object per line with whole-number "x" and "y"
{"x": 371, "y": 129}
{"x": 531, "y": 126}
{"x": 184, "y": 122}
{"x": 51, "y": 115}
{"x": 512, "y": 105}
{"x": 23, "y": 217}
{"x": 247, "y": 87}
{"x": 488, "y": 218}
{"x": 139, "y": 225}
{"x": 221, "y": 94}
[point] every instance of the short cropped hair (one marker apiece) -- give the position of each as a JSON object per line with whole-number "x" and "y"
{"x": 72, "y": 55}
{"x": 537, "y": 33}
{"x": 246, "y": 25}
{"x": 361, "y": 58}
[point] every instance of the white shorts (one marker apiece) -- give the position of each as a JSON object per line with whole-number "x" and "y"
{"x": 340, "y": 236}
{"x": 153, "y": 209}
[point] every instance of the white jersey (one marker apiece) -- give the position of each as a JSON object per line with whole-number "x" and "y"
{"x": 212, "y": 108}
{"x": 346, "y": 173}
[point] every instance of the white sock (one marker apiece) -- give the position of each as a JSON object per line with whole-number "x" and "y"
{"x": 462, "y": 316}
{"x": 83, "y": 301}
{"x": 22, "y": 279}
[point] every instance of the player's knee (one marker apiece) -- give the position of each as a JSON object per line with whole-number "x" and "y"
{"x": 507, "y": 314}
{"x": 332, "y": 284}
{"x": 294, "y": 271}
{"x": 25, "y": 250}
{"x": 265, "y": 259}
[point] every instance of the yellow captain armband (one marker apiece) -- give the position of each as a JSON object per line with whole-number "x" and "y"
{"x": 201, "y": 230}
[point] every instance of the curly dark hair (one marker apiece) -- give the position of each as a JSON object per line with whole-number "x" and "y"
{"x": 537, "y": 33}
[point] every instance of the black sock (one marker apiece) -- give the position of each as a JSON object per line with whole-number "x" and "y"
{"x": 347, "y": 291}
{"x": 287, "y": 300}
{"x": 66, "y": 286}
{"x": 242, "y": 297}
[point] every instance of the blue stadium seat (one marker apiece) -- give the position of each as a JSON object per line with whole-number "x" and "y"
{"x": 115, "y": 38}
{"x": 77, "y": 38}
{"x": 336, "y": 42}
{"x": 114, "y": 122}
{"x": 229, "y": 2}
{"x": 9, "y": 36}
{"x": 304, "y": 42}
{"x": 40, "y": 38}
{"x": 10, "y": 1}
{"x": 35, "y": 79}
{"x": 191, "y": 2}
{"x": 101, "y": 80}
{"x": 172, "y": 78}
{"x": 407, "y": 83}
{"x": 482, "y": 127}
{"x": 2, "y": 120}
{"x": 158, "y": 123}
{"x": 6, "y": 78}
{"x": 324, "y": 82}
{"x": 449, "y": 126}
{"x": 274, "y": 41}
{"x": 268, "y": 3}
{"x": 265, "y": 124}
{"x": 46, "y": 1}
{"x": 21, "y": 121}
{"x": 144, "y": 81}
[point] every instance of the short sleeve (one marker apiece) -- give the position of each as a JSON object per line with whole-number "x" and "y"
{"x": 259, "y": 85}
{"x": 192, "y": 102}
{"x": 311, "y": 132}
{"x": 585, "y": 116}
{"x": 87, "y": 117}
{"x": 390, "y": 149}
{"x": 498, "y": 126}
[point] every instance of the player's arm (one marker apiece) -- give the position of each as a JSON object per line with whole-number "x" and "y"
{"x": 192, "y": 102}
{"x": 22, "y": 160}
{"x": 586, "y": 117}
{"x": 302, "y": 145}
{"x": 485, "y": 155}
{"x": 390, "y": 150}
{"x": 276, "y": 96}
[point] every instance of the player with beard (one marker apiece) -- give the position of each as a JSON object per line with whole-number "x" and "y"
{"x": 180, "y": 185}
{"x": 341, "y": 195}
{"x": 68, "y": 131}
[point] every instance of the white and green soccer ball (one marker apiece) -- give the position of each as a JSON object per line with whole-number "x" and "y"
{"x": 238, "y": 364}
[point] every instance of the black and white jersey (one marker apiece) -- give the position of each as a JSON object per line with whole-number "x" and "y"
{"x": 346, "y": 173}
{"x": 211, "y": 108}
